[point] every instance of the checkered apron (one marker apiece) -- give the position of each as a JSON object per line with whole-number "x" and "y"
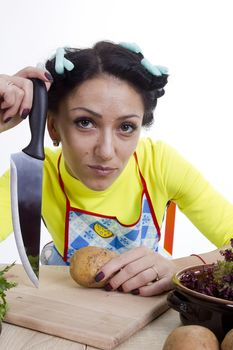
{"x": 86, "y": 228}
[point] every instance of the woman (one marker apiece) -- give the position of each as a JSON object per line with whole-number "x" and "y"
{"x": 106, "y": 186}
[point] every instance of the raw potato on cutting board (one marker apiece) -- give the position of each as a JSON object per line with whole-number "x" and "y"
{"x": 86, "y": 262}
{"x": 191, "y": 338}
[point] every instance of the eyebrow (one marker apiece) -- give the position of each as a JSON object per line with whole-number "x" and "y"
{"x": 100, "y": 116}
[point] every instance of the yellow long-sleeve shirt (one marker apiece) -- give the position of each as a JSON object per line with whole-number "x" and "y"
{"x": 169, "y": 177}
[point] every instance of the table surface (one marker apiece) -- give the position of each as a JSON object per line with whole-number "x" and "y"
{"x": 150, "y": 337}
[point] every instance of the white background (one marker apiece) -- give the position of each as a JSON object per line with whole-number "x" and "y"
{"x": 192, "y": 38}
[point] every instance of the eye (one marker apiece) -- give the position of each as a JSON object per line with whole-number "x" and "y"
{"x": 128, "y": 128}
{"x": 84, "y": 123}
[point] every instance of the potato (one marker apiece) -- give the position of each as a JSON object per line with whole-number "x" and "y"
{"x": 191, "y": 338}
{"x": 86, "y": 262}
{"x": 227, "y": 343}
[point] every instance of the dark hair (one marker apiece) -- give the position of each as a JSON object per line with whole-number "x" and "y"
{"x": 113, "y": 59}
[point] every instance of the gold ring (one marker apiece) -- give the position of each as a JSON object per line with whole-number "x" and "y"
{"x": 153, "y": 267}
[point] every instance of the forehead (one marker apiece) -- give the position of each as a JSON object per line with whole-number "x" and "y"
{"x": 106, "y": 90}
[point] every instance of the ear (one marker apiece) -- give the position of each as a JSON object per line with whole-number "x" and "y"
{"x": 52, "y": 127}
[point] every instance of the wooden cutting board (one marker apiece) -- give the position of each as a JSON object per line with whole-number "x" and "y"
{"x": 90, "y": 316}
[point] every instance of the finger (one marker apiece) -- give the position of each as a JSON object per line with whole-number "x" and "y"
{"x": 34, "y": 72}
{"x": 117, "y": 263}
{"x": 11, "y": 93}
{"x": 26, "y": 103}
{"x": 23, "y": 89}
{"x": 140, "y": 280}
{"x": 138, "y": 272}
{"x": 38, "y": 73}
{"x": 11, "y": 123}
{"x": 156, "y": 288}
{"x": 12, "y": 100}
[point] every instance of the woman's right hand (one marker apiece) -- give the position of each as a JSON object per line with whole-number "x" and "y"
{"x": 16, "y": 94}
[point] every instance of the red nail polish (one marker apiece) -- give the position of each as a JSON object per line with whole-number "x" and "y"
{"x": 135, "y": 291}
{"x": 25, "y": 113}
{"x": 7, "y": 120}
{"x": 100, "y": 276}
{"x": 108, "y": 287}
{"x": 48, "y": 76}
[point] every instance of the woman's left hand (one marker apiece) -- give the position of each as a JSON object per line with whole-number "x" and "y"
{"x": 139, "y": 271}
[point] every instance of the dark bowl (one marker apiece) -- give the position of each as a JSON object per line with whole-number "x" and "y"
{"x": 200, "y": 309}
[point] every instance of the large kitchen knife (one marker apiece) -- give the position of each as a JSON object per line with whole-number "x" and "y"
{"x": 26, "y": 172}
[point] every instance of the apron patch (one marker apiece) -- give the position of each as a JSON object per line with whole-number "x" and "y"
{"x": 102, "y": 231}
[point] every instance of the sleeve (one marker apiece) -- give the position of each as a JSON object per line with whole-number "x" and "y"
{"x": 206, "y": 208}
{"x": 5, "y": 206}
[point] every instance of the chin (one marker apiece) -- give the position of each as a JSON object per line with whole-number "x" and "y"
{"x": 98, "y": 186}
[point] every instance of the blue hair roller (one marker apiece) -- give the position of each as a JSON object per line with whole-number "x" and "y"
{"x": 131, "y": 47}
{"x": 155, "y": 70}
{"x": 61, "y": 62}
{"x": 163, "y": 69}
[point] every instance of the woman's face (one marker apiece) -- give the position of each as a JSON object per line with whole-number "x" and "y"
{"x": 99, "y": 126}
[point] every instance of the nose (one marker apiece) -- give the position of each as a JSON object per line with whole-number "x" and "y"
{"x": 105, "y": 146}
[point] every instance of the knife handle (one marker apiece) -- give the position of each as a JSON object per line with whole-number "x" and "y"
{"x": 37, "y": 120}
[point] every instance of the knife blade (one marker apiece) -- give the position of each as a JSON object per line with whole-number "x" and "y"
{"x": 26, "y": 175}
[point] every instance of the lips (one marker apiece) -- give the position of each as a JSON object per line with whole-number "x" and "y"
{"x": 100, "y": 167}
{"x": 102, "y": 170}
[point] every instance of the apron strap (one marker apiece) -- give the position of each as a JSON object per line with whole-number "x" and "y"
{"x": 170, "y": 217}
{"x": 67, "y": 210}
{"x": 60, "y": 178}
{"x": 148, "y": 197}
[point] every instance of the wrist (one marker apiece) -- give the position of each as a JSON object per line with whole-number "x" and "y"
{"x": 196, "y": 259}
{"x": 192, "y": 260}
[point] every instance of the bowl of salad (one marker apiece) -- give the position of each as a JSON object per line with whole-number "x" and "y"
{"x": 203, "y": 294}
